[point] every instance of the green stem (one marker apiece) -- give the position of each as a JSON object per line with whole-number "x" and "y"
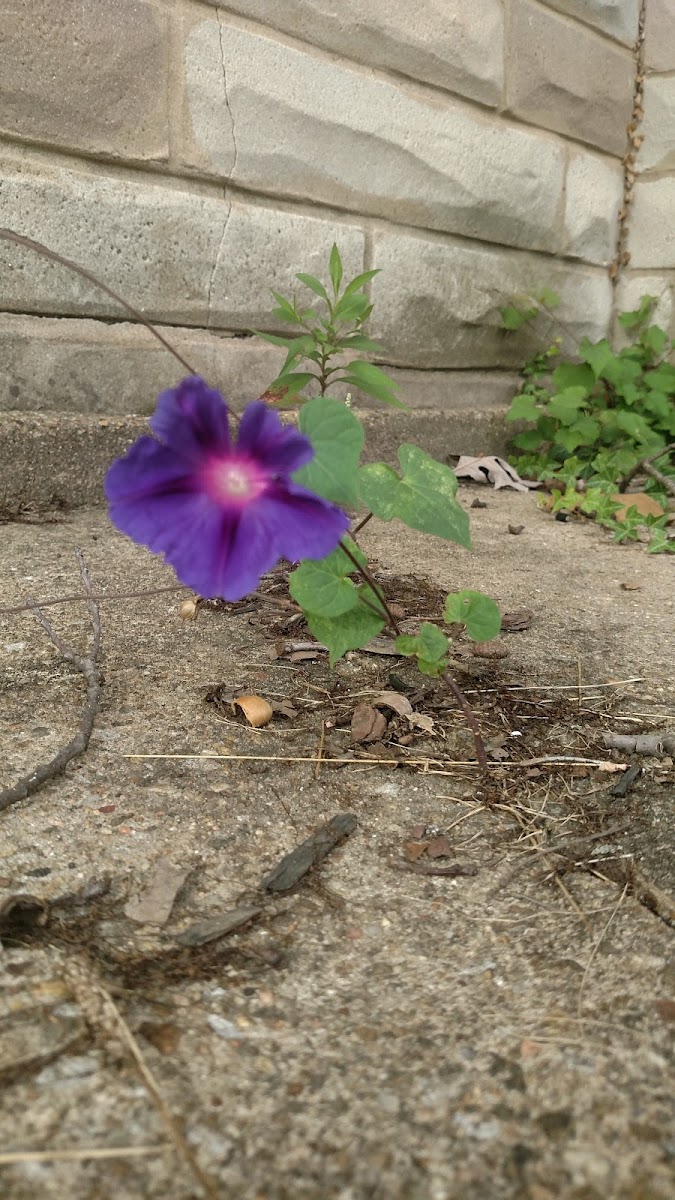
{"x": 368, "y": 578}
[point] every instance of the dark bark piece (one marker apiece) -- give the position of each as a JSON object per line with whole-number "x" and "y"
{"x": 294, "y": 866}
{"x": 217, "y": 927}
{"x": 626, "y": 782}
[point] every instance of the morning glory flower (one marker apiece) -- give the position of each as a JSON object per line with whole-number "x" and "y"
{"x": 222, "y": 513}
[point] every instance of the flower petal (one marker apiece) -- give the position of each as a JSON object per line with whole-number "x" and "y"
{"x": 280, "y": 448}
{"x": 147, "y": 467}
{"x": 192, "y": 419}
{"x": 298, "y": 523}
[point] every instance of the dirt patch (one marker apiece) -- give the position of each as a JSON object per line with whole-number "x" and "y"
{"x": 378, "y": 1032}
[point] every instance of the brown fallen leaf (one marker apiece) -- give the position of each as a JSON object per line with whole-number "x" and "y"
{"x": 368, "y": 724}
{"x": 631, "y": 587}
{"x": 164, "y": 1037}
{"x": 430, "y": 868}
{"x": 646, "y": 505}
{"x": 488, "y": 468}
{"x": 395, "y": 701}
{"x": 516, "y": 529}
{"x": 421, "y": 721}
{"x": 439, "y": 847}
{"x": 153, "y": 905}
{"x": 413, "y": 850}
{"x": 495, "y": 649}
{"x": 284, "y": 708}
{"x": 519, "y": 619}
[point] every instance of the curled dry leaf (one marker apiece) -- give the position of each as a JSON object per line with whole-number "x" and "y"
{"x": 421, "y": 721}
{"x": 258, "y": 712}
{"x": 439, "y": 847}
{"x": 488, "y": 468}
{"x": 284, "y": 708}
{"x": 631, "y": 587}
{"x": 368, "y": 724}
{"x": 188, "y": 610}
{"x": 492, "y": 650}
{"x": 395, "y": 701}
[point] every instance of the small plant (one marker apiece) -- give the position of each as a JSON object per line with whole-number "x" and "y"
{"x": 334, "y": 333}
{"x": 598, "y": 417}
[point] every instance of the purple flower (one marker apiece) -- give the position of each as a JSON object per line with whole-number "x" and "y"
{"x": 221, "y": 514}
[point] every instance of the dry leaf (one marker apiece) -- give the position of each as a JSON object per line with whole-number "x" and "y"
{"x": 258, "y": 712}
{"x": 382, "y": 645}
{"x": 646, "y": 506}
{"x": 153, "y": 906}
{"x": 414, "y": 850}
{"x": 516, "y": 529}
{"x": 395, "y": 701}
{"x": 165, "y": 1037}
{"x": 439, "y": 847}
{"x": 665, "y": 1009}
{"x": 491, "y": 469}
{"x": 631, "y": 587}
{"x": 515, "y": 621}
{"x": 285, "y": 709}
{"x": 368, "y": 724}
{"x": 494, "y": 650}
{"x": 188, "y": 610}
{"x": 421, "y": 721}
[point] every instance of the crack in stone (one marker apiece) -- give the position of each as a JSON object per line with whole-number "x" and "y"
{"x": 221, "y": 245}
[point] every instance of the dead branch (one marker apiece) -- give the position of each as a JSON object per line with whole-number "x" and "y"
{"x": 87, "y": 665}
{"x": 308, "y": 854}
{"x": 659, "y": 743}
{"x": 645, "y": 464}
{"x": 471, "y": 721}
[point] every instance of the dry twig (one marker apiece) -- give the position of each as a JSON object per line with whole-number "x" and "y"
{"x": 87, "y": 665}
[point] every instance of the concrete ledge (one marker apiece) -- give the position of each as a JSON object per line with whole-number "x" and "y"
{"x": 56, "y": 461}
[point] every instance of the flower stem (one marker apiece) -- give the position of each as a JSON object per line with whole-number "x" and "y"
{"x": 470, "y": 720}
{"x": 368, "y": 578}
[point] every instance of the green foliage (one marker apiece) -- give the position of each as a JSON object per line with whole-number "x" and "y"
{"x": 340, "y": 614}
{"x": 430, "y": 646}
{"x": 338, "y": 438}
{"x": 335, "y": 333}
{"x": 477, "y": 612}
{"x": 594, "y": 420}
{"x": 423, "y": 496}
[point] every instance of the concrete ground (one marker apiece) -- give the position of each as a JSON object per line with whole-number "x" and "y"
{"x": 379, "y": 1034}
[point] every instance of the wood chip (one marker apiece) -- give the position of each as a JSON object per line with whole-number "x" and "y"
{"x": 295, "y": 865}
{"x": 216, "y": 927}
{"x": 452, "y": 871}
{"x": 153, "y": 905}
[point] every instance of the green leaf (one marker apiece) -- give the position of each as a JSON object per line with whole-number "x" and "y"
{"x": 337, "y": 437}
{"x": 523, "y": 408}
{"x": 565, "y": 406}
{"x": 548, "y": 299}
{"x": 654, "y": 340}
{"x": 358, "y": 282}
{"x": 635, "y": 426}
{"x": 597, "y": 355}
{"x": 662, "y": 379}
{"x": 293, "y": 381}
{"x": 584, "y": 432}
{"x": 335, "y": 268}
{"x": 272, "y": 338}
{"x": 315, "y": 285}
{"x": 660, "y": 405}
{"x": 322, "y": 586}
{"x": 350, "y": 631}
{"x": 352, "y": 307}
{"x": 285, "y": 310}
{"x": 358, "y": 341}
{"x": 631, "y": 320}
{"x": 369, "y": 378}
{"x": 430, "y": 646}
{"x": 568, "y": 375}
{"x": 476, "y": 611}
{"x": 530, "y": 440}
{"x": 423, "y": 498}
{"x": 513, "y": 319}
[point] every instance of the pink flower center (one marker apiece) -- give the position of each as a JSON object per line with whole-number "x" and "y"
{"x": 233, "y": 481}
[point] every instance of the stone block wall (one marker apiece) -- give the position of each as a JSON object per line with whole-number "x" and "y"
{"x": 196, "y": 153}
